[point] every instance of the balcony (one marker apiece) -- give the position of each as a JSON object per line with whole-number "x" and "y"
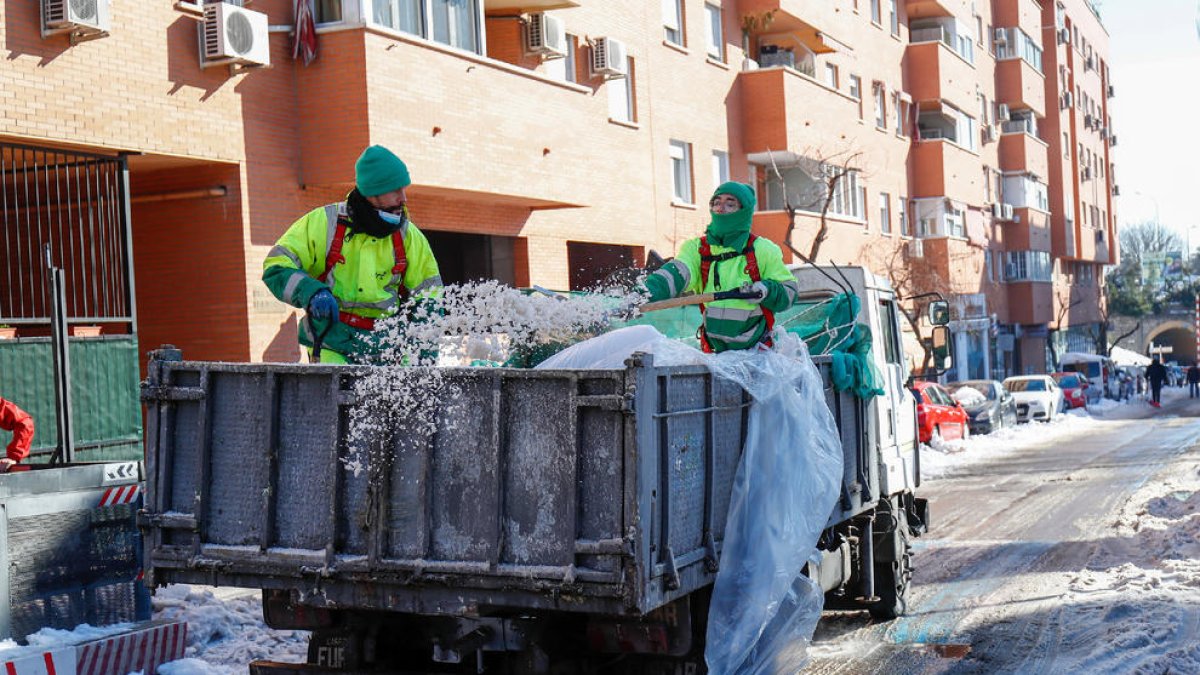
{"x": 941, "y": 168}
{"x": 1020, "y": 85}
{"x": 924, "y": 9}
{"x": 1030, "y": 302}
{"x": 522, "y": 106}
{"x": 1020, "y": 151}
{"x": 815, "y": 24}
{"x": 787, "y": 110}
{"x": 937, "y": 72}
{"x": 1029, "y": 230}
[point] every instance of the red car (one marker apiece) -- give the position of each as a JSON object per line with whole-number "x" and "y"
{"x": 938, "y": 414}
{"x": 1074, "y": 387}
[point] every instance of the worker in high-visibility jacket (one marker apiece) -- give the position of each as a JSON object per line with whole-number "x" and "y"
{"x": 729, "y": 257}
{"x": 20, "y": 424}
{"x": 352, "y": 263}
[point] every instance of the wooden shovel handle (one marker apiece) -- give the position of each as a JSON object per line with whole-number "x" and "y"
{"x": 681, "y": 301}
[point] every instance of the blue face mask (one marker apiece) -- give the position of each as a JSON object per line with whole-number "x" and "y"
{"x": 390, "y": 218}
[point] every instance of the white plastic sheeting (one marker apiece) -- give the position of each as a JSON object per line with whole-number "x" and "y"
{"x": 764, "y": 610}
{"x": 611, "y": 350}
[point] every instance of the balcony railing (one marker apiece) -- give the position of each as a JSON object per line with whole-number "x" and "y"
{"x": 1025, "y": 126}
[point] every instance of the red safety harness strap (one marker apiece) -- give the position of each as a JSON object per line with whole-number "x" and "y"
{"x": 335, "y": 257}
{"x": 706, "y": 261}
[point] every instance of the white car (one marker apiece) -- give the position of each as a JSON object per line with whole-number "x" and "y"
{"x": 1038, "y": 397}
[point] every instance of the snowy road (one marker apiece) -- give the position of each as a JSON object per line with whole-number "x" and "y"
{"x": 1066, "y": 547}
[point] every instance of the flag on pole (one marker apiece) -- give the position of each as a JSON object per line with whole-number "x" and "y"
{"x": 305, "y": 33}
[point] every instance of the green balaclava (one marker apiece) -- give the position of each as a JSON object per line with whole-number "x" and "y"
{"x": 379, "y": 171}
{"x": 732, "y": 230}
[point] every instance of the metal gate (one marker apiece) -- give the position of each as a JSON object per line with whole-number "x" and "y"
{"x": 64, "y": 223}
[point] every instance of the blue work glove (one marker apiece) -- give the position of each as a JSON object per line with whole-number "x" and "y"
{"x": 323, "y": 306}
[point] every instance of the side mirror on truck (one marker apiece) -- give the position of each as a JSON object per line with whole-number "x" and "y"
{"x": 939, "y": 312}
{"x": 940, "y": 341}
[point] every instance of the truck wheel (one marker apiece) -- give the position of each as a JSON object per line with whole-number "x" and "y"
{"x": 892, "y": 579}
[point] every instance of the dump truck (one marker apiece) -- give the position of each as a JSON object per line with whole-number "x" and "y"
{"x": 551, "y": 521}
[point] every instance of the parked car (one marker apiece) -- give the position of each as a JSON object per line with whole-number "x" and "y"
{"x": 987, "y": 403}
{"x": 938, "y": 414}
{"x": 1076, "y": 388}
{"x": 1094, "y": 367}
{"x": 1037, "y": 397}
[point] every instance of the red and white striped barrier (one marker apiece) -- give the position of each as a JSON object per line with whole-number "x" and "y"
{"x": 58, "y": 661}
{"x": 124, "y": 494}
{"x": 144, "y": 649}
{"x": 139, "y": 650}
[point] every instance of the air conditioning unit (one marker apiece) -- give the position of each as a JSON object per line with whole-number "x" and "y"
{"x": 1002, "y": 112}
{"x": 1006, "y": 211}
{"x": 609, "y": 58}
{"x": 1000, "y": 35}
{"x": 546, "y": 35}
{"x": 78, "y": 17}
{"x": 1064, "y": 36}
{"x": 916, "y": 248}
{"x": 997, "y": 210}
{"x": 234, "y": 35}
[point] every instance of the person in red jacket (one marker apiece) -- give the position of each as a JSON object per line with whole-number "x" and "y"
{"x": 20, "y": 424}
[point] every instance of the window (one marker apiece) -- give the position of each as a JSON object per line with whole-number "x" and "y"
{"x": 831, "y": 75}
{"x": 720, "y": 167}
{"x": 621, "y": 103}
{"x": 401, "y": 15}
{"x": 807, "y": 185}
{"x": 1027, "y": 266}
{"x": 885, "y": 213}
{"x": 564, "y": 68}
{"x": 1066, "y": 145}
{"x": 876, "y": 16}
{"x": 681, "y": 171}
{"x": 328, "y": 11}
{"x": 1022, "y": 191}
{"x": 456, "y": 23}
{"x": 895, "y": 17}
{"x": 856, "y": 92}
{"x": 880, "y": 105}
{"x": 902, "y": 216}
{"x": 673, "y": 21}
{"x": 715, "y": 32}
{"x": 987, "y": 265}
{"x": 891, "y": 341}
{"x": 1018, "y": 44}
{"x": 900, "y": 107}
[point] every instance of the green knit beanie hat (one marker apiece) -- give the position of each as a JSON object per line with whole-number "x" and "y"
{"x": 743, "y": 192}
{"x": 379, "y": 171}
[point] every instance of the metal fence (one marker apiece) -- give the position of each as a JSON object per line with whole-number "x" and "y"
{"x": 77, "y": 204}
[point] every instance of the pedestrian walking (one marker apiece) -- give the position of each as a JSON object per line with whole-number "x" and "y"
{"x": 1156, "y": 373}
{"x": 1193, "y": 380}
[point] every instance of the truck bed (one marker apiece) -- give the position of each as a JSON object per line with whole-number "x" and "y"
{"x": 599, "y": 491}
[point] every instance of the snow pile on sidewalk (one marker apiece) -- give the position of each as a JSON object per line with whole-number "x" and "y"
{"x": 1136, "y": 608}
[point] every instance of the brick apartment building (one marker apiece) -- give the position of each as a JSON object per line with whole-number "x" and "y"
{"x": 954, "y": 146}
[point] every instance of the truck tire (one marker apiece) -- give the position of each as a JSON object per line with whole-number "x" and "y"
{"x": 892, "y": 578}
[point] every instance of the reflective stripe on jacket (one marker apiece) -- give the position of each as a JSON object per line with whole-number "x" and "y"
{"x": 363, "y": 284}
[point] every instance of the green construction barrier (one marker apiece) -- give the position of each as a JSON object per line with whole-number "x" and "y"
{"x": 104, "y": 395}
